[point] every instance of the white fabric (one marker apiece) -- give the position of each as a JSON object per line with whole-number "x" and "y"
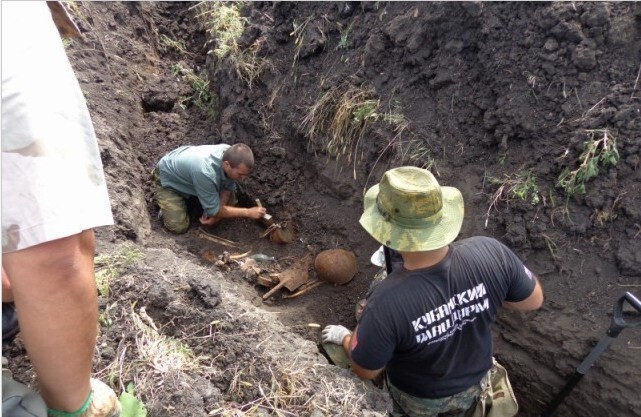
{"x": 53, "y": 185}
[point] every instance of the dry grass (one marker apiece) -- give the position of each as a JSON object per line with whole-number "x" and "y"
{"x": 176, "y": 45}
{"x": 299, "y": 36}
{"x": 552, "y": 247}
{"x": 225, "y": 26}
{"x": 340, "y": 119}
{"x": 112, "y": 265}
{"x": 608, "y": 214}
{"x": 522, "y": 186}
{"x": 77, "y": 14}
{"x": 155, "y": 356}
{"x": 300, "y": 391}
{"x": 413, "y": 152}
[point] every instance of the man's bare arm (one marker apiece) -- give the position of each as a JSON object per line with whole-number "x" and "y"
{"x": 533, "y": 302}
{"x": 358, "y": 370}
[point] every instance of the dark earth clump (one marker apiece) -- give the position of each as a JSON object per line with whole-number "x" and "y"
{"x": 482, "y": 94}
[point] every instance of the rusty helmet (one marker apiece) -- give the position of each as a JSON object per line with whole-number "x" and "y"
{"x": 337, "y": 266}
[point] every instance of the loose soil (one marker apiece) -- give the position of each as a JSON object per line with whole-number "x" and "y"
{"x": 487, "y": 90}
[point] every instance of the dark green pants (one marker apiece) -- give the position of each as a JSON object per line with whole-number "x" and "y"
{"x": 174, "y": 207}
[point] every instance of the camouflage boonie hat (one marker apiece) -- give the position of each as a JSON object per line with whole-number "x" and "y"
{"x": 409, "y": 212}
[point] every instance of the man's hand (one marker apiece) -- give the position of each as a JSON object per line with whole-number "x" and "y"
{"x": 335, "y": 334}
{"x": 256, "y": 212}
{"x": 209, "y": 220}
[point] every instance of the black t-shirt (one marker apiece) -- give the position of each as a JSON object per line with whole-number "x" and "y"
{"x": 430, "y": 328}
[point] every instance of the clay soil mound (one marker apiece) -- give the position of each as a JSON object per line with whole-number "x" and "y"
{"x": 510, "y": 102}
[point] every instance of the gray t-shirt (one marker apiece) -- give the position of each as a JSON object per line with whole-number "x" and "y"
{"x": 197, "y": 171}
{"x": 430, "y": 328}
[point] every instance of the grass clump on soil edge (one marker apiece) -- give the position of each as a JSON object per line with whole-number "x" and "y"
{"x": 345, "y": 116}
{"x": 225, "y": 26}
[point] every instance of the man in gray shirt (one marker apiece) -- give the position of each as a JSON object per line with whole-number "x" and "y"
{"x": 208, "y": 172}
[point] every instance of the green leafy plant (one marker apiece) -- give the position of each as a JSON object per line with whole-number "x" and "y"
{"x": 177, "y": 45}
{"x": 343, "y": 42}
{"x": 131, "y": 406}
{"x": 113, "y": 265}
{"x": 66, "y": 42}
{"x": 202, "y": 97}
{"x": 522, "y": 186}
{"x": 105, "y": 320}
{"x": 365, "y": 110}
{"x": 600, "y": 150}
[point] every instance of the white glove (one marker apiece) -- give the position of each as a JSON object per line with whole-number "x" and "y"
{"x": 335, "y": 334}
{"x": 104, "y": 401}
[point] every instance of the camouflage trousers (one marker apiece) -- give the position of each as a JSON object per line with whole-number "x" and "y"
{"x": 457, "y": 405}
{"x": 175, "y": 215}
{"x": 174, "y": 207}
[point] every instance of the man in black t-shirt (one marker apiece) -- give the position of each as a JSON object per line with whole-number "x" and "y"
{"x": 428, "y": 323}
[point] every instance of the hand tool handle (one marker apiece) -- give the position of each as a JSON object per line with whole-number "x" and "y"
{"x": 618, "y": 321}
{"x": 278, "y": 286}
{"x": 616, "y": 326}
{"x": 265, "y": 216}
{"x": 633, "y": 300}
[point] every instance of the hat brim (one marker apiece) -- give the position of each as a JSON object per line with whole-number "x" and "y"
{"x": 414, "y": 240}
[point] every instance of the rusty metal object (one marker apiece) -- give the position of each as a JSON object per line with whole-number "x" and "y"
{"x": 305, "y": 288}
{"x": 279, "y": 232}
{"x": 337, "y": 266}
{"x": 282, "y": 234}
{"x": 265, "y": 281}
{"x": 293, "y": 277}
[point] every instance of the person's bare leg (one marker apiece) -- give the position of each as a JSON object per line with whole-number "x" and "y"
{"x": 55, "y": 292}
{"x": 7, "y": 294}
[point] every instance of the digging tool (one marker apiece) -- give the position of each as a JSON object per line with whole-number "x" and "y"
{"x": 265, "y": 281}
{"x": 266, "y": 216}
{"x": 293, "y": 277}
{"x": 305, "y": 288}
{"x": 616, "y": 326}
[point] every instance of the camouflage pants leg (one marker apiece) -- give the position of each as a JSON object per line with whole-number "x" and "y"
{"x": 173, "y": 206}
{"x": 457, "y": 405}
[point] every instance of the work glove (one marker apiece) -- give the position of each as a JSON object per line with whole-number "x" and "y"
{"x": 104, "y": 402}
{"x": 335, "y": 334}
